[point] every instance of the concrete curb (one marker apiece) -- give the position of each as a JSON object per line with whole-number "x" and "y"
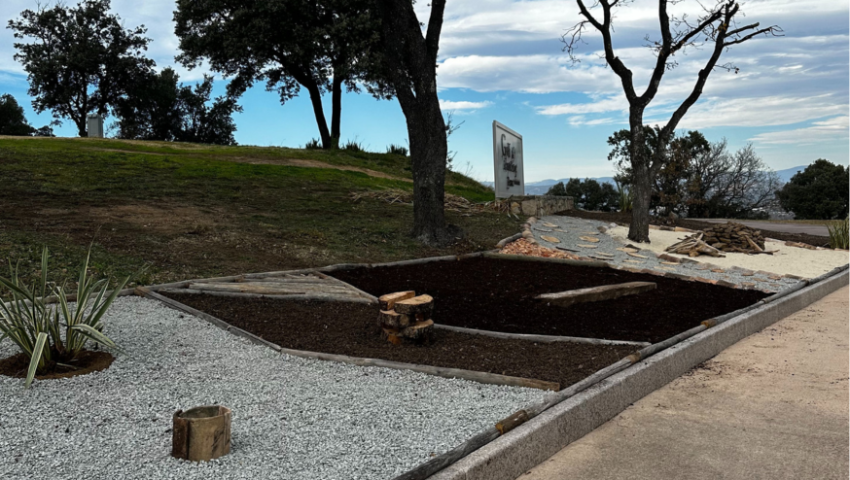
{"x": 512, "y": 454}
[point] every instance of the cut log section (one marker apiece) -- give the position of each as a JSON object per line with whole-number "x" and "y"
{"x": 388, "y": 301}
{"x": 392, "y": 319}
{"x": 422, "y": 304}
{"x": 596, "y": 294}
{"x": 419, "y": 330}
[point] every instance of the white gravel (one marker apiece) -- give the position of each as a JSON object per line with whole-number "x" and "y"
{"x": 293, "y": 418}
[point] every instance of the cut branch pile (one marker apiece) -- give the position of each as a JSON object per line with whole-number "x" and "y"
{"x": 404, "y": 315}
{"x": 731, "y": 237}
{"x": 453, "y": 203}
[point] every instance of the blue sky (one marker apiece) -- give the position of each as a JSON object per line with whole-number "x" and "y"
{"x": 502, "y": 60}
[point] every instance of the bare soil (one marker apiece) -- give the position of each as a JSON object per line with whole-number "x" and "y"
{"x": 693, "y": 224}
{"x": 495, "y": 294}
{"x": 351, "y": 329}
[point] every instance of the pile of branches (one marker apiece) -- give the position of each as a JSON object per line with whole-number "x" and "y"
{"x": 714, "y": 241}
{"x": 453, "y": 203}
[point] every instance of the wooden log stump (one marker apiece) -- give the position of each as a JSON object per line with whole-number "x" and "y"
{"x": 422, "y": 304}
{"x": 201, "y": 433}
{"x": 419, "y": 330}
{"x": 389, "y": 300}
{"x": 392, "y": 319}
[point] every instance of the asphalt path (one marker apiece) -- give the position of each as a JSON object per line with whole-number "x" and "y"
{"x": 777, "y": 227}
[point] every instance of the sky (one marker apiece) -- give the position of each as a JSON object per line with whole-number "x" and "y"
{"x": 503, "y": 60}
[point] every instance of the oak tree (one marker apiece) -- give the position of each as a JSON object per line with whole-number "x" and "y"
{"x": 405, "y": 66}
{"x": 288, "y": 44}
{"x": 79, "y": 60}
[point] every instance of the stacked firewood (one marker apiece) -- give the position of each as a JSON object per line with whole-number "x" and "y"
{"x": 404, "y": 315}
{"x": 731, "y": 237}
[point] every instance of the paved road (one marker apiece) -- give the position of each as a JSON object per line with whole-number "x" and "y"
{"x": 772, "y": 406}
{"x": 777, "y": 227}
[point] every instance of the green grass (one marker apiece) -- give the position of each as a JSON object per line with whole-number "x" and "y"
{"x": 195, "y": 210}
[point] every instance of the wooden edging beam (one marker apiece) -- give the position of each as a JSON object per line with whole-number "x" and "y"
{"x": 305, "y": 297}
{"x": 596, "y": 294}
{"x": 480, "y": 377}
{"x": 537, "y": 338}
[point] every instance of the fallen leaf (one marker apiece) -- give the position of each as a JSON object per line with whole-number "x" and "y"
{"x": 550, "y": 239}
{"x": 590, "y": 239}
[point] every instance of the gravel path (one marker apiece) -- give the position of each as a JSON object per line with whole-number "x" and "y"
{"x": 568, "y": 231}
{"x": 292, "y": 417}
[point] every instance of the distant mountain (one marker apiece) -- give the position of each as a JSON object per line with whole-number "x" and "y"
{"x": 541, "y": 187}
{"x": 785, "y": 175}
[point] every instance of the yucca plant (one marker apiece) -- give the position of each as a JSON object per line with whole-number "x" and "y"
{"x": 839, "y": 233}
{"x": 54, "y": 335}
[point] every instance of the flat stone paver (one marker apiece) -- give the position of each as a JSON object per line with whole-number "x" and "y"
{"x": 773, "y": 406}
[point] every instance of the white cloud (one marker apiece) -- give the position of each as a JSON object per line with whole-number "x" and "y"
{"x": 616, "y": 103}
{"x": 761, "y": 111}
{"x": 463, "y": 105}
{"x": 831, "y": 129}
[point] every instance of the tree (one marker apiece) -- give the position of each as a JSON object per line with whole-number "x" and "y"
{"x": 12, "y": 120}
{"x": 14, "y": 123}
{"x": 81, "y": 59}
{"x": 717, "y": 26}
{"x": 730, "y": 185}
{"x": 588, "y": 194}
{"x": 290, "y": 44}
{"x": 669, "y": 186}
{"x": 818, "y": 192}
{"x": 157, "y": 108}
{"x": 405, "y": 66}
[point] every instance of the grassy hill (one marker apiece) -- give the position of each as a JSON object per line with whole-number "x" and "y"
{"x": 187, "y": 210}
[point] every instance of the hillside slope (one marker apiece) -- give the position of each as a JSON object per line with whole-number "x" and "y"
{"x": 188, "y": 210}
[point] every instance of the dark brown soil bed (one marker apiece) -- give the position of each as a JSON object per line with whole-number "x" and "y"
{"x": 350, "y": 329}
{"x": 494, "y": 294}
{"x": 87, "y": 361}
{"x": 694, "y": 224}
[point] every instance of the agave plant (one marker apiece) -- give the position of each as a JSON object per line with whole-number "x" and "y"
{"x": 55, "y": 334}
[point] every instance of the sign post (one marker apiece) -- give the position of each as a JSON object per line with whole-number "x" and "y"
{"x": 507, "y": 162}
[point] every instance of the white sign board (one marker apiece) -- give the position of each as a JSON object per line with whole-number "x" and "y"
{"x": 507, "y": 160}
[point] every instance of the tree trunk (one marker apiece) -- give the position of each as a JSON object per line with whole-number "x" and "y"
{"x": 316, "y": 100}
{"x": 336, "y": 111}
{"x": 426, "y": 130}
{"x": 641, "y": 178}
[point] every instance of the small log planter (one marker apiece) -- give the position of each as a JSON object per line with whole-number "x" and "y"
{"x": 201, "y": 433}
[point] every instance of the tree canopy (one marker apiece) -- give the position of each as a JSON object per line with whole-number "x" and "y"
{"x": 158, "y": 108}
{"x": 289, "y": 44}
{"x": 819, "y": 192}
{"x": 79, "y": 60}
{"x": 14, "y": 123}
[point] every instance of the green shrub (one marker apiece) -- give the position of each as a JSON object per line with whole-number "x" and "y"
{"x": 397, "y": 150}
{"x": 313, "y": 144}
{"x": 839, "y": 233}
{"x": 55, "y": 334}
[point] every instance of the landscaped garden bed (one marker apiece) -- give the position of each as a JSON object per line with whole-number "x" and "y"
{"x": 498, "y": 295}
{"x": 292, "y": 417}
{"x": 350, "y": 329}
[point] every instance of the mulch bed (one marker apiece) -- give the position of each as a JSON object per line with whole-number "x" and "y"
{"x": 495, "y": 294}
{"x": 87, "y": 361}
{"x": 694, "y": 224}
{"x": 351, "y": 329}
